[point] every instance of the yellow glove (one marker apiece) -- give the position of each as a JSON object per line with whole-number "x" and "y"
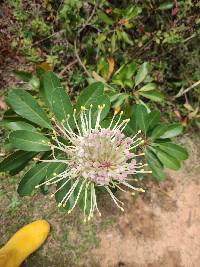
{"x": 24, "y": 242}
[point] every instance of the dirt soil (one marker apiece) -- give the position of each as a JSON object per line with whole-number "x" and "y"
{"x": 158, "y": 229}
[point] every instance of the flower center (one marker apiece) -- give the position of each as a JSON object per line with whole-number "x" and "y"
{"x": 103, "y": 155}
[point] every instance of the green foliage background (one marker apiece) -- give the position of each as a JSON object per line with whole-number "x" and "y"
{"x": 163, "y": 33}
{"x": 145, "y": 53}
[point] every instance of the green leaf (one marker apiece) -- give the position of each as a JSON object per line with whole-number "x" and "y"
{"x": 10, "y": 115}
{"x": 35, "y": 82}
{"x": 166, "y": 6}
{"x": 167, "y": 160}
{"x": 123, "y": 76}
{"x": 89, "y": 95}
{"x": 153, "y": 119}
{"x": 103, "y": 17}
{"x": 29, "y": 141}
{"x": 17, "y": 125}
{"x": 55, "y": 167}
{"x": 175, "y": 150}
{"x": 113, "y": 43}
{"x": 152, "y": 95}
{"x": 23, "y": 75}
{"x": 130, "y": 129}
{"x": 49, "y": 83}
{"x": 118, "y": 99}
{"x": 126, "y": 38}
{"x": 158, "y": 173}
{"x": 142, "y": 118}
{"x": 172, "y": 130}
{"x": 155, "y": 165}
{"x": 26, "y": 106}
{"x": 32, "y": 178}
{"x": 158, "y": 131}
{"x": 16, "y": 160}
{"x": 142, "y": 73}
{"x": 132, "y": 11}
{"x": 133, "y": 119}
{"x": 8, "y": 147}
{"x": 61, "y": 105}
{"x": 148, "y": 87}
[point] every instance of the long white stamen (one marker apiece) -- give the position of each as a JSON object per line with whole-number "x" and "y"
{"x": 59, "y": 148}
{"x": 83, "y": 124}
{"x": 74, "y": 116}
{"x": 114, "y": 199}
{"x": 53, "y": 160}
{"x": 126, "y": 122}
{"x": 115, "y": 113}
{"x": 95, "y": 201}
{"x": 120, "y": 188}
{"x": 139, "y": 132}
{"x": 90, "y": 118}
{"x": 60, "y": 187}
{"x": 134, "y": 188}
{"x": 91, "y": 205}
{"x": 77, "y": 198}
{"x": 69, "y": 137}
{"x": 85, "y": 201}
{"x": 100, "y": 108}
{"x": 69, "y": 193}
{"x": 120, "y": 115}
{"x": 53, "y": 178}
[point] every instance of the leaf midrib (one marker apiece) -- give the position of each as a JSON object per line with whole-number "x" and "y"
{"x": 32, "y": 110}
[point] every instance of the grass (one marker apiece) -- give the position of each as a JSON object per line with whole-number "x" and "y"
{"x": 70, "y": 239}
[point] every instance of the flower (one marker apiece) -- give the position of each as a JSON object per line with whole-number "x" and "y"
{"x": 95, "y": 157}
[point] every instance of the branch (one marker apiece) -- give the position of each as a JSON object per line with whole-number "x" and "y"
{"x": 88, "y": 20}
{"x": 48, "y": 37}
{"x": 182, "y": 92}
{"x": 79, "y": 60}
{"x": 68, "y": 67}
{"x": 75, "y": 41}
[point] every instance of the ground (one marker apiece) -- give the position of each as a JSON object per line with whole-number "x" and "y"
{"x": 158, "y": 229}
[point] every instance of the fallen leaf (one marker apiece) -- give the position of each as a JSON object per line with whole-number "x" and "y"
{"x": 45, "y": 66}
{"x": 3, "y": 104}
{"x": 194, "y": 113}
{"x": 122, "y": 21}
{"x": 188, "y": 107}
{"x": 97, "y": 77}
{"x": 177, "y": 113}
{"x": 108, "y": 10}
{"x": 184, "y": 122}
{"x": 111, "y": 65}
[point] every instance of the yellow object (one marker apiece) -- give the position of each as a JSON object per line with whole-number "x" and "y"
{"x": 24, "y": 242}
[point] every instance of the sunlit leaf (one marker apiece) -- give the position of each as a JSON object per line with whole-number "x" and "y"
{"x": 167, "y": 160}
{"x": 15, "y": 160}
{"x": 32, "y": 178}
{"x": 142, "y": 73}
{"x": 29, "y": 141}
{"x": 175, "y": 150}
{"x": 152, "y": 95}
{"x": 26, "y": 106}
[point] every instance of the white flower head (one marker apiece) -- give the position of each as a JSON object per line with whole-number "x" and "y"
{"x": 95, "y": 157}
